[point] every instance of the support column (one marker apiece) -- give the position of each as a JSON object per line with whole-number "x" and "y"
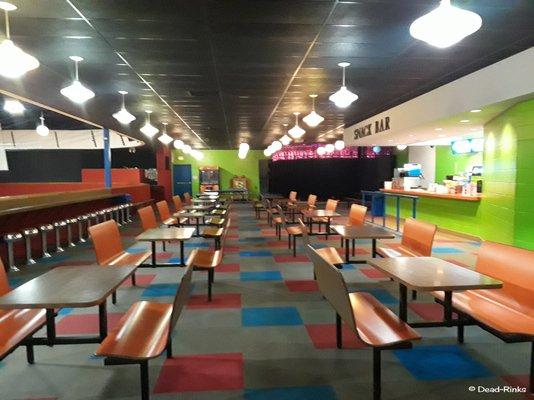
{"x": 107, "y": 158}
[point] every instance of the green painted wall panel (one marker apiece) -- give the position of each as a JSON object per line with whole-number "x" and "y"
{"x": 448, "y": 163}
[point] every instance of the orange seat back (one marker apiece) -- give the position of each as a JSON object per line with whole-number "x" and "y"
{"x": 312, "y": 199}
{"x": 332, "y": 286}
{"x": 4, "y": 283}
{"x": 163, "y": 210}
{"x": 512, "y": 265}
{"x": 187, "y": 198}
{"x": 357, "y": 215}
{"x": 304, "y": 230}
{"x": 148, "y": 218}
{"x": 293, "y": 196}
{"x": 183, "y": 292}
{"x": 106, "y": 241}
{"x": 331, "y": 205}
{"x": 418, "y": 236}
{"x": 178, "y": 205}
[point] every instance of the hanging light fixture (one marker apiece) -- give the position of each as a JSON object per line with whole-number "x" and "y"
{"x": 267, "y": 152}
{"x": 14, "y": 107}
{"x": 123, "y": 116}
{"x": 339, "y": 145}
{"x": 313, "y": 119}
{"x": 76, "y": 92}
{"x": 186, "y": 149}
{"x": 165, "y": 138}
{"x": 13, "y": 61}
{"x": 329, "y": 148}
{"x": 321, "y": 151}
{"x": 197, "y": 155}
{"x": 377, "y": 149}
{"x": 445, "y": 25}
{"x": 42, "y": 129}
{"x": 276, "y": 146}
{"x": 243, "y": 150}
{"x": 343, "y": 97}
{"x": 296, "y": 132}
{"x": 285, "y": 140}
{"x": 178, "y": 144}
{"x": 148, "y": 129}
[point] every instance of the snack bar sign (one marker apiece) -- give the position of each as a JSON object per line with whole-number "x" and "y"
{"x": 380, "y": 125}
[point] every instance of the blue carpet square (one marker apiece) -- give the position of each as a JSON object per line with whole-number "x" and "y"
{"x": 270, "y": 316}
{"x": 195, "y": 245}
{"x": 160, "y": 290}
{"x": 136, "y": 250}
{"x": 446, "y": 250}
{"x": 176, "y": 260}
{"x": 292, "y": 393}
{"x": 382, "y": 295}
{"x": 65, "y": 311}
{"x": 441, "y": 362}
{"x": 349, "y": 266}
{"x": 258, "y": 253}
{"x": 15, "y": 282}
{"x": 261, "y": 276}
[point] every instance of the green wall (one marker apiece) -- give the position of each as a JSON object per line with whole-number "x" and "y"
{"x": 448, "y": 163}
{"x": 230, "y": 165}
{"x": 506, "y": 213}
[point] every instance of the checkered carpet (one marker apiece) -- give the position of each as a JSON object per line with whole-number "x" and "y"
{"x": 267, "y": 334}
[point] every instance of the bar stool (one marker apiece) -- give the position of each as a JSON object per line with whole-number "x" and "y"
{"x": 129, "y": 212}
{"x": 116, "y": 215}
{"x": 122, "y": 209}
{"x": 81, "y": 233}
{"x": 70, "y": 222}
{"x": 109, "y": 213}
{"x": 101, "y": 216}
{"x": 90, "y": 217}
{"x": 28, "y": 233}
{"x": 10, "y": 239}
{"x": 44, "y": 238}
{"x": 57, "y": 227}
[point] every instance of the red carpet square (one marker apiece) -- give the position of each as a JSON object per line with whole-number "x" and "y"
{"x": 231, "y": 249}
{"x": 323, "y": 336}
{"x": 232, "y": 236}
{"x": 227, "y": 268}
{"x": 428, "y": 311}
{"x": 229, "y": 300}
{"x": 141, "y": 280}
{"x": 201, "y": 373}
{"x": 302, "y": 286}
{"x": 163, "y": 255}
{"x": 372, "y": 273}
{"x": 520, "y": 381}
{"x": 291, "y": 259}
{"x": 84, "y": 324}
{"x": 277, "y": 244}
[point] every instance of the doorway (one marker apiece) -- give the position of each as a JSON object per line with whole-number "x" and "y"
{"x": 182, "y": 179}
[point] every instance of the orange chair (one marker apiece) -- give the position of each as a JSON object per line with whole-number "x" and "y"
{"x": 357, "y": 215}
{"x": 331, "y": 205}
{"x": 292, "y": 198}
{"x": 417, "y": 240}
{"x": 329, "y": 254}
{"x": 178, "y": 205}
{"x": 310, "y": 204}
{"x": 17, "y": 326}
{"x": 148, "y": 220}
{"x": 293, "y": 231}
{"x": 165, "y": 216}
{"x": 375, "y": 324}
{"x": 187, "y": 199}
{"x": 145, "y": 332}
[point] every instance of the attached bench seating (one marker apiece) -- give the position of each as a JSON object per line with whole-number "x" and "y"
{"x": 375, "y": 324}
{"x": 508, "y": 313}
{"x": 17, "y": 326}
{"x": 165, "y": 215}
{"x": 145, "y": 332}
{"x": 328, "y": 254}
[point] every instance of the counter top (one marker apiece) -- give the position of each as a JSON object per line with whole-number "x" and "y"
{"x": 426, "y": 193}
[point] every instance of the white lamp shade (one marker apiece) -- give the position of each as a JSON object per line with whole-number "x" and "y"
{"x": 275, "y": 146}
{"x": 42, "y": 130}
{"x": 14, "y": 62}
{"x": 197, "y": 155}
{"x": 329, "y": 148}
{"x": 123, "y": 116}
{"x": 285, "y": 140}
{"x": 446, "y": 25}
{"x": 178, "y": 144}
{"x": 339, "y": 145}
{"x": 149, "y": 130}
{"x": 313, "y": 119}
{"x": 401, "y": 147}
{"x": 343, "y": 97}
{"x": 321, "y": 151}
{"x": 243, "y": 150}
{"x": 186, "y": 149}
{"x": 77, "y": 93}
{"x": 14, "y": 107}
{"x": 296, "y": 132}
{"x": 267, "y": 152}
{"x": 165, "y": 139}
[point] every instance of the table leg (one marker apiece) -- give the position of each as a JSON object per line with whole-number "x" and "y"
{"x": 374, "y": 248}
{"x": 103, "y": 319}
{"x": 310, "y": 223}
{"x": 403, "y": 302}
{"x": 182, "y": 253}
{"x": 50, "y": 326}
{"x": 347, "y": 249}
{"x": 327, "y": 227}
{"x": 447, "y": 304}
{"x": 153, "y": 254}
{"x": 198, "y": 226}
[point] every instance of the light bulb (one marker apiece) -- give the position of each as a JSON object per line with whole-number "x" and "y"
{"x": 77, "y": 93}
{"x": 377, "y": 149}
{"x": 267, "y": 152}
{"x": 42, "y": 129}
{"x": 285, "y": 140}
{"x": 14, "y": 107}
{"x": 14, "y": 62}
{"x": 401, "y": 147}
{"x": 339, "y": 144}
{"x": 321, "y": 151}
{"x": 148, "y": 129}
{"x": 343, "y": 97}
{"x": 165, "y": 138}
{"x": 296, "y": 132}
{"x": 197, "y": 155}
{"x": 445, "y": 25}
{"x": 178, "y": 144}
{"x": 243, "y": 150}
{"x": 329, "y": 148}
{"x": 276, "y": 146}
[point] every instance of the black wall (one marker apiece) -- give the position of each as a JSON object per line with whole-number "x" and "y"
{"x": 66, "y": 165}
{"x": 330, "y": 178}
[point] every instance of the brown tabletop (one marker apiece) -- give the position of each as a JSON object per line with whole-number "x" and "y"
{"x": 199, "y": 208}
{"x": 319, "y": 213}
{"x": 84, "y": 286}
{"x": 362, "y": 232}
{"x": 190, "y": 214}
{"x": 160, "y": 234}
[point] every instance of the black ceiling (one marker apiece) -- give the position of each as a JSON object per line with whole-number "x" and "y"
{"x": 236, "y": 69}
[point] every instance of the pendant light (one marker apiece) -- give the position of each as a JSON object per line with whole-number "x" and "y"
{"x": 243, "y": 150}
{"x": 178, "y": 144}
{"x": 285, "y": 140}
{"x": 148, "y": 129}
{"x": 165, "y": 138}
{"x": 339, "y": 145}
{"x": 42, "y": 129}
{"x": 321, "y": 151}
{"x": 76, "y": 92}
{"x": 123, "y": 116}
{"x": 276, "y": 146}
{"x": 13, "y": 61}
{"x": 267, "y": 152}
{"x": 445, "y": 25}
{"x": 14, "y": 107}
{"x": 296, "y": 132}
{"x": 329, "y": 148}
{"x": 401, "y": 147}
{"x": 197, "y": 155}
{"x": 186, "y": 149}
{"x": 313, "y": 119}
{"x": 343, "y": 97}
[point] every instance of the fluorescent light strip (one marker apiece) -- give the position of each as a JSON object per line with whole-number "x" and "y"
{"x": 135, "y": 72}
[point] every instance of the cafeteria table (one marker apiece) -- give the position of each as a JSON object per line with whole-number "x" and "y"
{"x": 170, "y": 234}
{"x": 429, "y": 274}
{"x": 350, "y": 232}
{"x": 68, "y": 287}
{"x": 328, "y": 214}
{"x": 192, "y": 214}
{"x": 199, "y": 207}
